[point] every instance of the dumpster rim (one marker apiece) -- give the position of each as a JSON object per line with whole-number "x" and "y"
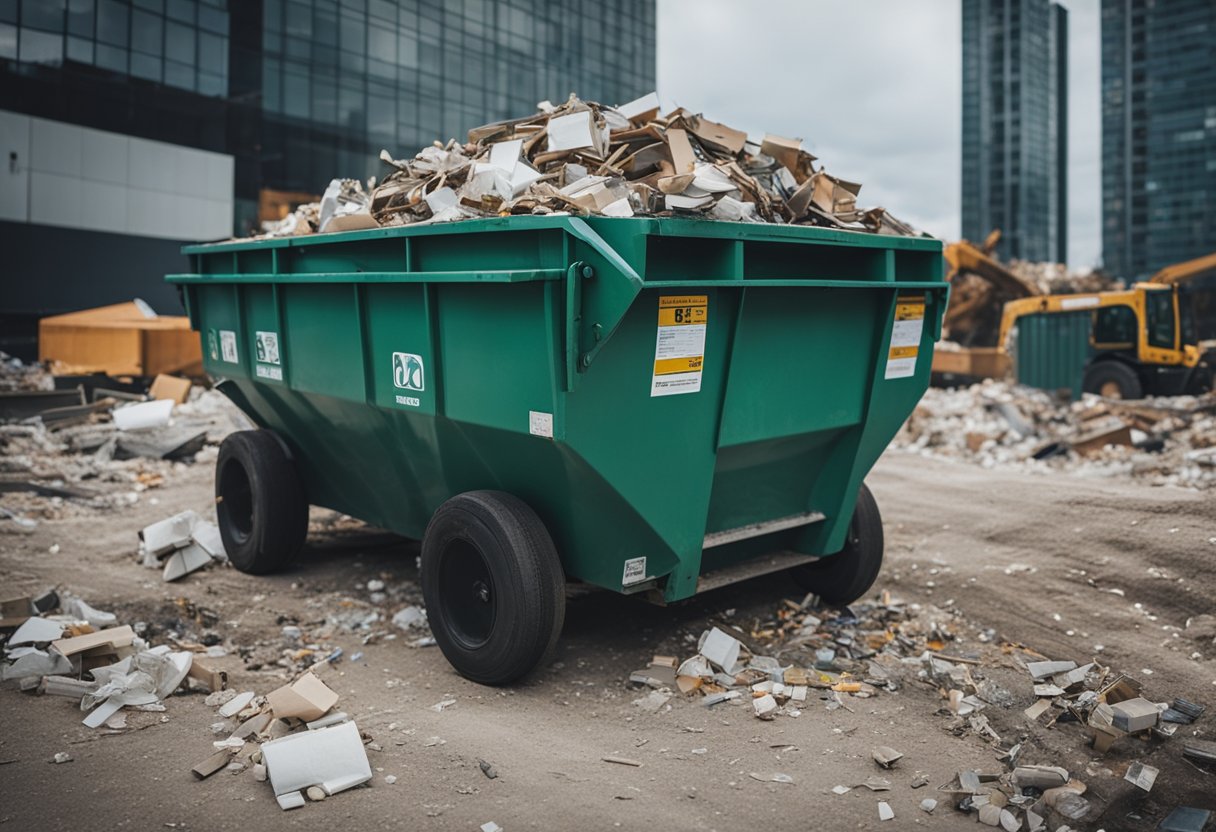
{"x": 660, "y": 226}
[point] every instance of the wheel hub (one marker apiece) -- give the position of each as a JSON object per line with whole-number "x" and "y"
{"x": 481, "y": 591}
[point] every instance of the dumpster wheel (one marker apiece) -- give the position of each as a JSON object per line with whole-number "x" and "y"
{"x": 260, "y": 504}
{"x": 846, "y": 576}
{"x": 493, "y": 585}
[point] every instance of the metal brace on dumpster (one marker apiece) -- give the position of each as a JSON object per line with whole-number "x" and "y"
{"x": 575, "y": 275}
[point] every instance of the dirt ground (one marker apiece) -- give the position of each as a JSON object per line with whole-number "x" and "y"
{"x": 1074, "y": 568}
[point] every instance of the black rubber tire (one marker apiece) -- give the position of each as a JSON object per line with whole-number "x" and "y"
{"x": 1103, "y": 373}
{"x": 846, "y": 576}
{"x": 493, "y": 584}
{"x": 260, "y": 502}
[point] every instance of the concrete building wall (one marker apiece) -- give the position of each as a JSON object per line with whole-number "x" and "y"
{"x": 69, "y": 176}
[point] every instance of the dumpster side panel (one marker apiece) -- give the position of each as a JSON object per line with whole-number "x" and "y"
{"x": 498, "y": 347}
{"x": 800, "y": 363}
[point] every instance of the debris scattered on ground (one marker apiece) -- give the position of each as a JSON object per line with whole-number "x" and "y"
{"x": 585, "y": 158}
{"x": 64, "y": 452}
{"x": 1165, "y": 441}
{"x": 805, "y": 656}
{"x": 181, "y": 544}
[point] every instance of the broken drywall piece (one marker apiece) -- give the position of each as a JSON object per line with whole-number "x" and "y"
{"x": 78, "y": 608}
{"x": 575, "y": 131}
{"x": 307, "y": 698}
{"x": 169, "y": 534}
{"x": 36, "y": 631}
{"x": 184, "y": 561}
{"x": 343, "y": 198}
{"x": 1042, "y": 670}
{"x": 140, "y": 415}
{"x": 333, "y": 758}
{"x": 207, "y": 535}
{"x": 236, "y": 704}
{"x": 721, "y": 649}
{"x": 34, "y": 662}
{"x": 291, "y": 800}
{"x": 326, "y": 721}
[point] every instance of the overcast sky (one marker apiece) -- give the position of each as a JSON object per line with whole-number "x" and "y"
{"x": 874, "y": 91}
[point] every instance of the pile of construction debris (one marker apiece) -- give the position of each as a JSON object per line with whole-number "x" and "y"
{"x": 1057, "y": 279}
{"x": 1165, "y": 441}
{"x": 100, "y": 443}
{"x": 825, "y": 658}
{"x": 835, "y": 657}
{"x": 293, "y": 736}
{"x": 585, "y": 158}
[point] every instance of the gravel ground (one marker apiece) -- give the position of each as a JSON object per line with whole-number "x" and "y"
{"x": 1034, "y": 557}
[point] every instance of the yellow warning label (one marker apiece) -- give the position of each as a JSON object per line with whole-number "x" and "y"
{"x": 909, "y": 309}
{"x": 683, "y": 311}
{"x": 679, "y": 353}
{"x": 907, "y": 328}
{"x": 667, "y": 366}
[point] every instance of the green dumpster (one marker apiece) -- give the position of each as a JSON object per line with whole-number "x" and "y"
{"x": 648, "y": 405}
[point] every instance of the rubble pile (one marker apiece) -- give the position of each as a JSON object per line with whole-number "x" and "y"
{"x": 1164, "y": 441}
{"x": 816, "y": 655}
{"x": 64, "y": 452}
{"x": 1056, "y": 279}
{"x": 293, "y": 737}
{"x": 827, "y": 659}
{"x": 585, "y": 158}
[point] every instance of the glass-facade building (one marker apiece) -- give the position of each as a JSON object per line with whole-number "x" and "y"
{"x": 1158, "y": 134}
{"x": 273, "y": 97}
{"x": 341, "y": 80}
{"x": 1015, "y": 127}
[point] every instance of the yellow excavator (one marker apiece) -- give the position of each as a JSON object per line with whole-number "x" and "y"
{"x": 1123, "y": 344}
{"x": 980, "y": 285}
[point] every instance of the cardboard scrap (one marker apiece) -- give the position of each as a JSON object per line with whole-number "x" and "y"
{"x": 114, "y": 637}
{"x": 170, "y": 387}
{"x": 307, "y": 698}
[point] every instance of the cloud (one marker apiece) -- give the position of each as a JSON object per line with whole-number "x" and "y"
{"x": 874, "y": 89}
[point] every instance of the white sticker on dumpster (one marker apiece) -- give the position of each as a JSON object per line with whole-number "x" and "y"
{"x": 228, "y": 346}
{"x": 266, "y": 345}
{"x": 635, "y": 571}
{"x": 679, "y": 351}
{"x": 906, "y": 332}
{"x": 540, "y": 424}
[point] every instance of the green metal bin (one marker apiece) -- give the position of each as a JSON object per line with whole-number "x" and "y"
{"x": 679, "y": 402}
